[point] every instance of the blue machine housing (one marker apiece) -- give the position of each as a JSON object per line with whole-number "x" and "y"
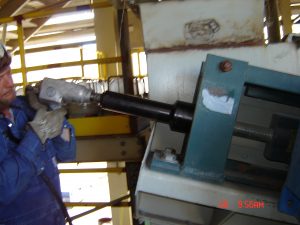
{"x": 221, "y": 84}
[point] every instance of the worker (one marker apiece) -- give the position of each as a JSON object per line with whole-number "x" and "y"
{"x": 32, "y": 140}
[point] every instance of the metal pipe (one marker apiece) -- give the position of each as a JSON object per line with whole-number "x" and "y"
{"x": 179, "y": 116}
{"x": 253, "y": 132}
{"x": 22, "y": 53}
{"x": 112, "y": 203}
{"x": 4, "y": 30}
{"x": 135, "y": 106}
{"x": 51, "y": 11}
{"x": 95, "y": 204}
{"x": 94, "y": 170}
{"x": 74, "y": 63}
{"x": 272, "y": 21}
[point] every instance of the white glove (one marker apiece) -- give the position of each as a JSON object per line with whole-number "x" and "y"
{"x": 31, "y": 95}
{"x": 48, "y": 124}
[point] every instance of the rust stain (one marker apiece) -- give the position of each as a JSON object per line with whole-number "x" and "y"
{"x": 217, "y": 91}
{"x": 202, "y": 34}
{"x": 256, "y": 42}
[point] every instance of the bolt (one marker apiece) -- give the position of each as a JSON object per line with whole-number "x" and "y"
{"x": 169, "y": 155}
{"x": 225, "y": 66}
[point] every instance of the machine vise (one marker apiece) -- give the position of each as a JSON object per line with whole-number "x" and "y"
{"x": 209, "y": 124}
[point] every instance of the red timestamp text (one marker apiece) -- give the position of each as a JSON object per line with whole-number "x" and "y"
{"x": 250, "y": 204}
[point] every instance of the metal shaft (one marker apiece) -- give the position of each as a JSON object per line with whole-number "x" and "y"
{"x": 179, "y": 116}
{"x": 253, "y": 132}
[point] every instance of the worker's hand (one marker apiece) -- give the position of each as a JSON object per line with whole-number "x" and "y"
{"x": 32, "y": 97}
{"x": 48, "y": 124}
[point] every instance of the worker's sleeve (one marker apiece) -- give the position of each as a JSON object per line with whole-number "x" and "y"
{"x": 18, "y": 166}
{"x": 65, "y": 150}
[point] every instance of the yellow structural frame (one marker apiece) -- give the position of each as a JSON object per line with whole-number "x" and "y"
{"x": 86, "y": 126}
{"x": 101, "y": 125}
{"x": 286, "y": 13}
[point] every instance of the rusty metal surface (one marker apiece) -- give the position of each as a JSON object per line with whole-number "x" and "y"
{"x": 207, "y": 46}
{"x": 174, "y": 25}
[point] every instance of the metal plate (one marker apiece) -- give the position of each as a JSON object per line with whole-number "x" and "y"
{"x": 202, "y": 23}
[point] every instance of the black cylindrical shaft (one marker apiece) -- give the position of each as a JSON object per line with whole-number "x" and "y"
{"x": 182, "y": 116}
{"x": 253, "y": 132}
{"x": 135, "y": 106}
{"x": 179, "y": 115}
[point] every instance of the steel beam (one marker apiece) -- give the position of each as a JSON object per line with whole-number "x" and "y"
{"x": 286, "y": 13}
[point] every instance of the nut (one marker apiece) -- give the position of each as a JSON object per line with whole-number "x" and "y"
{"x": 225, "y": 66}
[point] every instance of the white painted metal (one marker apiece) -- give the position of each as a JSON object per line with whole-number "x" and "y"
{"x": 204, "y": 193}
{"x": 196, "y": 22}
{"x": 168, "y": 211}
{"x": 157, "y": 207}
{"x": 121, "y": 148}
{"x": 173, "y": 76}
{"x": 238, "y": 219}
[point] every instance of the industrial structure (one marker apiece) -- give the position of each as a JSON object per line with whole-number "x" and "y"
{"x": 215, "y": 139}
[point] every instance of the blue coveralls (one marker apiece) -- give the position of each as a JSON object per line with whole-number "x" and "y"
{"x": 25, "y": 199}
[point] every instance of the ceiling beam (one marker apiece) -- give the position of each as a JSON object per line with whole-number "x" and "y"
{"x": 295, "y": 1}
{"x": 41, "y": 18}
{"x": 50, "y": 12}
{"x": 58, "y": 37}
{"x": 10, "y": 35}
{"x": 29, "y": 32}
{"x": 67, "y": 26}
{"x": 12, "y": 7}
{"x": 56, "y": 47}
